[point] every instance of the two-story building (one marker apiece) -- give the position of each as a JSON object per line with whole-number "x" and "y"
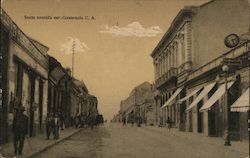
{"x": 196, "y": 82}
{"x": 172, "y": 60}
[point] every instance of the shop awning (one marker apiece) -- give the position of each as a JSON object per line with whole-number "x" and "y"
{"x": 216, "y": 96}
{"x": 190, "y": 94}
{"x": 242, "y": 104}
{"x": 172, "y": 97}
{"x": 201, "y": 95}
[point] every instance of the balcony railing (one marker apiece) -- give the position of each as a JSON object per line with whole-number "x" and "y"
{"x": 166, "y": 77}
{"x": 22, "y": 39}
{"x": 236, "y": 52}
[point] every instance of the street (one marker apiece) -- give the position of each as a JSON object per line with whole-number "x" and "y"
{"x": 117, "y": 141}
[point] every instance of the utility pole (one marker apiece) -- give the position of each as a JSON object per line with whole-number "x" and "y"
{"x": 73, "y": 57}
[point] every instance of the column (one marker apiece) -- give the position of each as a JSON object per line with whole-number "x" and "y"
{"x": 160, "y": 67}
{"x": 155, "y": 71}
{"x": 163, "y": 64}
{"x": 188, "y": 56}
{"x": 179, "y": 53}
{"x": 175, "y": 55}
{"x": 185, "y": 38}
{"x": 181, "y": 48}
{"x": 166, "y": 61}
{"x": 172, "y": 53}
{"x": 169, "y": 59}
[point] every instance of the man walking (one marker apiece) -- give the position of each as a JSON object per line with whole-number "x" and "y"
{"x": 49, "y": 125}
{"x": 123, "y": 120}
{"x": 19, "y": 129}
{"x": 56, "y": 127}
{"x": 169, "y": 124}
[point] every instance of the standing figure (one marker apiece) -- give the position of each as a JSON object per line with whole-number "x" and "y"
{"x": 82, "y": 121}
{"x": 49, "y": 125}
{"x": 124, "y": 121}
{"x": 19, "y": 129}
{"x": 169, "y": 123}
{"x": 139, "y": 121}
{"x": 56, "y": 125}
{"x": 92, "y": 121}
{"x": 61, "y": 121}
{"x": 76, "y": 121}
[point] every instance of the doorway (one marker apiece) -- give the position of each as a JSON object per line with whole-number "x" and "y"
{"x": 31, "y": 106}
{"x": 211, "y": 123}
{"x": 190, "y": 114}
{"x": 40, "y": 103}
{"x": 200, "y": 117}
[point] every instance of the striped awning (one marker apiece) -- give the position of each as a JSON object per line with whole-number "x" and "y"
{"x": 242, "y": 104}
{"x": 201, "y": 95}
{"x": 190, "y": 94}
{"x": 172, "y": 97}
{"x": 216, "y": 96}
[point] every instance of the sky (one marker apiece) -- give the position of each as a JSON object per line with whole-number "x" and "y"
{"x": 113, "y": 39}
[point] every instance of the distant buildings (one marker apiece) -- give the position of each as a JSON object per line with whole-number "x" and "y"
{"x": 139, "y": 104}
{"x": 36, "y": 80}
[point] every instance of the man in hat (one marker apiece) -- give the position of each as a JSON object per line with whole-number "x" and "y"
{"x": 49, "y": 124}
{"x": 56, "y": 126}
{"x": 19, "y": 129}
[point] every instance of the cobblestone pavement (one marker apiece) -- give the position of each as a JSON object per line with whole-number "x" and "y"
{"x": 116, "y": 141}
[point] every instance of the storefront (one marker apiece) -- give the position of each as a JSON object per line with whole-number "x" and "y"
{"x": 24, "y": 71}
{"x": 207, "y": 90}
{"x": 3, "y": 86}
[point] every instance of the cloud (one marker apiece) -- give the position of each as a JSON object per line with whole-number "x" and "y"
{"x": 134, "y": 29}
{"x": 67, "y": 46}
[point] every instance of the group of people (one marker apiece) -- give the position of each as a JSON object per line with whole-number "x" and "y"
{"x": 53, "y": 125}
{"x": 131, "y": 120}
{"x": 80, "y": 121}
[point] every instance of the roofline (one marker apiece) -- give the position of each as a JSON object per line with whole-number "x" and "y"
{"x": 32, "y": 39}
{"x": 181, "y": 14}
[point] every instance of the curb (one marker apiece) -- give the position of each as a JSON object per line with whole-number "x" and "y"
{"x": 50, "y": 145}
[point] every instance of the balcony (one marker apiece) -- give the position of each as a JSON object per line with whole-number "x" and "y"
{"x": 234, "y": 53}
{"x": 172, "y": 73}
{"x": 23, "y": 40}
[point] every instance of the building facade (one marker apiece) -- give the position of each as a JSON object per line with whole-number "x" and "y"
{"x": 31, "y": 78}
{"x": 188, "y": 93}
{"x": 138, "y": 105}
{"x": 24, "y": 68}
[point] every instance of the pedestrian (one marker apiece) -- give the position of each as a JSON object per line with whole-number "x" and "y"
{"x": 49, "y": 125}
{"x": 56, "y": 126}
{"x": 123, "y": 121}
{"x": 19, "y": 129}
{"x": 139, "y": 121}
{"x": 76, "y": 121}
{"x": 169, "y": 123}
{"x": 92, "y": 121}
{"x": 61, "y": 121}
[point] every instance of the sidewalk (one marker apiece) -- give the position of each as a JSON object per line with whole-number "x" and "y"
{"x": 36, "y": 144}
{"x": 237, "y": 146}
